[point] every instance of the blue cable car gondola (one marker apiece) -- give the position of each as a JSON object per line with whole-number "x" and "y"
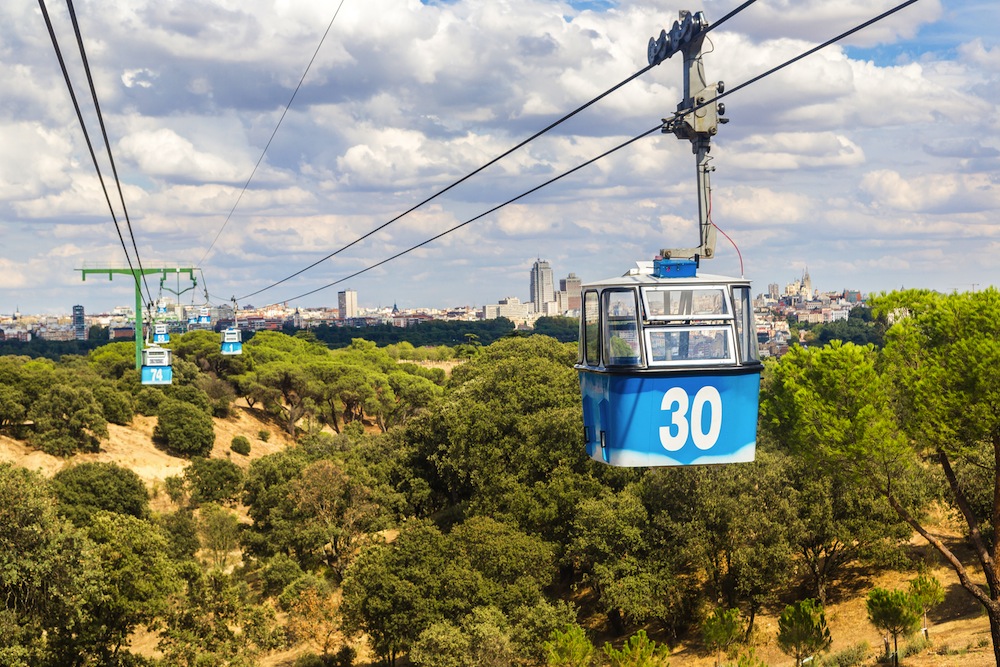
{"x": 156, "y": 365}
{"x": 160, "y": 333}
{"x": 668, "y": 363}
{"x": 232, "y": 338}
{"x": 669, "y": 370}
{"x": 232, "y": 341}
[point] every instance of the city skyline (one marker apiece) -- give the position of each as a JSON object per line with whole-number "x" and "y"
{"x": 357, "y": 304}
{"x": 873, "y": 159}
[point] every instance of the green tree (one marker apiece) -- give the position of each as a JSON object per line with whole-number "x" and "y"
{"x": 720, "y": 630}
{"x": 127, "y": 582}
{"x": 927, "y": 593}
{"x": 219, "y": 530}
{"x": 894, "y": 612}
{"x": 930, "y": 396}
{"x": 67, "y": 419}
{"x": 12, "y": 408}
{"x": 113, "y": 360}
{"x": 442, "y": 644}
{"x": 638, "y": 651}
{"x": 394, "y": 592}
{"x": 516, "y": 568}
{"x": 837, "y": 521}
{"x": 213, "y": 480}
{"x": 802, "y": 630}
{"x": 569, "y": 647}
{"x": 216, "y": 621}
{"x": 183, "y": 429}
{"x": 86, "y": 488}
{"x": 40, "y": 567}
{"x": 118, "y": 407}
{"x": 333, "y": 513}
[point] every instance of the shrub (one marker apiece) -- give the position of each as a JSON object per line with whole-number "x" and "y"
{"x": 917, "y": 645}
{"x": 89, "y": 487}
{"x": 219, "y": 392}
{"x": 189, "y": 394}
{"x": 176, "y": 488}
{"x": 147, "y": 401}
{"x": 240, "y": 445}
{"x": 263, "y": 435}
{"x": 280, "y": 571}
{"x": 849, "y": 657}
{"x": 118, "y": 406}
{"x": 213, "y": 480}
{"x": 183, "y": 429}
{"x": 181, "y": 532}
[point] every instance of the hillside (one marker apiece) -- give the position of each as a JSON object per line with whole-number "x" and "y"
{"x": 959, "y": 630}
{"x": 132, "y": 447}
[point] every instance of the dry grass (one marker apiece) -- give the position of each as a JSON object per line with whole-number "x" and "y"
{"x": 959, "y": 630}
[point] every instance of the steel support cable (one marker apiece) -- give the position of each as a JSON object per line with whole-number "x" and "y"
{"x": 83, "y": 126}
{"x": 456, "y": 183}
{"x": 729, "y": 15}
{"x": 848, "y": 33}
{"x": 630, "y": 141}
{"x": 268, "y": 145}
{"x": 485, "y": 213}
{"x": 488, "y": 164}
{"x": 107, "y": 145}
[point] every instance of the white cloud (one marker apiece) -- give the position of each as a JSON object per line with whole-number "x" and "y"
{"x": 958, "y": 192}
{"x": 867, "y": 165}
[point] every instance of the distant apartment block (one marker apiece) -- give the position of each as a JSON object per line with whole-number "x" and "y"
{"x": 347, "y": 303}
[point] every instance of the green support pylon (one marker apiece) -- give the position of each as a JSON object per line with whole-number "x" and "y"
{"x": 136, "y": 274}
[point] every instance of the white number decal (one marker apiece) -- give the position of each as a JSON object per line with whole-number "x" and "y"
{"x": 710, "y": 395}
{"x": 157, "y": 375}
{"x": 683, "y": 423}
{"x": 678, "y": 420}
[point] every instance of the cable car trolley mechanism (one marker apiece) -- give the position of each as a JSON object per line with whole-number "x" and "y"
{"x": 668, "y": 362}
{"x": 232, "y": 339}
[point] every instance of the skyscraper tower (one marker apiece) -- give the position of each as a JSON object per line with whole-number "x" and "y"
{"x": 542, "y": 286}
{"x": 79, "y": 323}
{"x": 347, "y": 302}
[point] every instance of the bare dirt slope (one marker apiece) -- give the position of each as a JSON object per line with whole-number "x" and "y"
{"x": 132, "y": 447}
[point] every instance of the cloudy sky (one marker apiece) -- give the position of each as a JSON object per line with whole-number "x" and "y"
{"x": 873, "y": 163}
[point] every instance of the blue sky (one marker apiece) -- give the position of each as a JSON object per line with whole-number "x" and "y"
{"x": 872, "y": 163}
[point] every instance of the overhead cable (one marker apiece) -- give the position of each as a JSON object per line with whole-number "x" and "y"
{"x": 268, "y": 145}
{"x": 107, "y": 144}
{"x": 485, "y": 213}
{"x": 488, "y": 164}
{"x": 848, "y": 33}
{"x": 86, "y": 135}
{"x": 620, "y": 146}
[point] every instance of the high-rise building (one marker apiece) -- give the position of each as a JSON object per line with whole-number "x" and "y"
{"x": 542, "y": 285}
{"x": 79, "y": 323}
{"x": 347, "y": 301}
{"x": 571, "y": 285}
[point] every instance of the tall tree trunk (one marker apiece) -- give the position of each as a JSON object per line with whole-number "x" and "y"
{"x": 994, "y": 613}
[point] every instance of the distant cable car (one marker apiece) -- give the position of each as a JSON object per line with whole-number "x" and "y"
{"x": 204, "y": 315}
{"x": 232, "y": 341}
{"x": 156, "y": 365}
{"x": 668, "y": 363}
{"x": 669, "y": 370}
{"x": 160, "y": 333}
